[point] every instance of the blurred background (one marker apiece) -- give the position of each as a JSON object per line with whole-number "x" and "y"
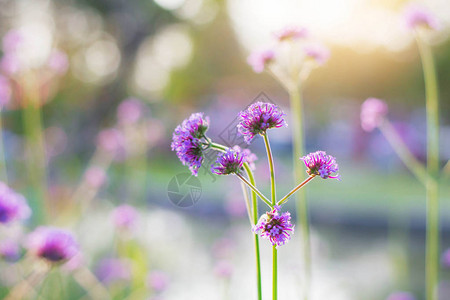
{"x": 113, "y": 79}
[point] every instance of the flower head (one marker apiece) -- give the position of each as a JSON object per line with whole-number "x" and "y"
{"x": 12, "y": 40}
{"x": 186, "y": 141}
{"x": 445, "y": 259}
{"x": 58, "y": 62}
{"x": 259, "y": 60}
{"x": 249, "y": 156}
{"x": 13, "y": 206}
{"x": 5, "y": 91}
{"x": 400, "y": 296}
{"x": 110, "y": 270}
{"x": 319, "y": 163}
{"x": 228, "y": 162}
{"x": 259, "y": 117}
{"x": 52, "y": 244}
{"x": 124, "y": 216}
{"x": 112, "y": 141}
{"x": 158, "y": 280}
{"x": 9, "y": 250}
{"x": 275, "y": 227}
{"x": 373, "y": 111}
{"x": 319, "y": 53}
{"x": 95, "y": 177}
{"x": 291, "y": 33}
{"x": 129, "y": 111}
{"x": 419, "y": 16}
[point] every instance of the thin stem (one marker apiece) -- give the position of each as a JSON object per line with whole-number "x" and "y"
{"x": 415, "y": 166}
{"x": 247, "y": 202}
{"x": 301, "y": 204}
{"x": 285, "y": 198}
{"x": 263, "y": 198}
{"x": 219, "y": 147}
{"x": 3, "y": 172}
{"x": 273, "y": 194}
{"x": 432, "y": 110}
{"x": 256, "y": 238}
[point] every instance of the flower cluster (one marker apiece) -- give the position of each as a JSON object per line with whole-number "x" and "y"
{"x": 373, "y": 111}
{"x": 321, "y": 164}
{"x": 228, "y": 162}
{"x": 260, "y": 59}
{"x": 259, "y": 117}
{"x": 124, "y": 217}
{"x": 418, "y": 16}
{"x": 275, "y": 227}
{"x": 13, "y": 206}
{"x": 187, "y": 141}
{"x": 52, "y": 244}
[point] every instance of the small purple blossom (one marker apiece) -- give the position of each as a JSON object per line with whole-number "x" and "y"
{"x": 5, "y": 91}
{"x": 95, "y": 177}
{"x": 124, "y": 217}
{"x": 275, "y": 227}
{"x": 373, "y": 111}
{"x": 129, "y": 111}
{"x": 53, "y": 244}
{"x": 249, "y": 156}
{"x": 318, "y": 53}
{"x": 158, "y": 280}
{"x": 110, "y": 270}
{"x": 112, "y": 140}
{"x": 9, "y": 250}
{"x": 187, "y": 141}
{"x": 228, "y": 162}
{"x": 10, "y": 64}
{"x": 416, "y": 15}
{"x": 13, "y": 206}
{"x": 58, "y": 62}
{"x": 400, "y": 296}
{"x": 259, "y": 60}
{"x": 319, "y": 163}
{"x": 445, "y": 259}
{"x": 291, "y": 33}
{"x": 259, "y": 117}
{"x": 12, "y": 40}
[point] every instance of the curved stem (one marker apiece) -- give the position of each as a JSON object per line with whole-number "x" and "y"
{"x": 261, "y": 196}
{"x": 301, "y": 204}
{"x": 432, "y": 189}
{"x": 256, "y": 238}
{"x": 285, "y": 198}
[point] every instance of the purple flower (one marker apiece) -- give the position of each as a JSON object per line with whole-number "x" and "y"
{"x": 124, "y": 217}
{"x": 158, "y": 280}
{"x": 111, "y": 270}
{"x": 275, "y": 227}
{"x": 228, "y": 162}
{"x": 12, "y": 40}
{"x": 258, "y": 60}
{"x": 317, "y": 52}
{"x": 259, "y": 117}
{"x": 291, "y": 33}
{"x": 53, "y": 244}
{"x": 373, "y": 111}
{"x": 13, "y": 206}
{"x": 417, "y": 15}
{"x": 187, "y": 141}
{"x": 9, "y": 250}
{"x": 10, "y": 64}
{"x": 400, "y": 296}
{"x": 111, "y": 140}
{"x": 95, "y": 177}
{"x": 58, "y": 62}
{"x": 249, "y": 157}
{"x": 5, "y": 91}
{"x": 319, "y": 163}
{"x": 445, "y": 259}
{"x": 129, "y": 111}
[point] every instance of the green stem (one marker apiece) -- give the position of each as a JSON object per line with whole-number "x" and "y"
{"x": 403, "y": 152}
{"x": 256, "y": 238}
{"x": 274, "y": 196}
{"x": 3, "y": 172}
{"x": 263, "y": 198}
{"x": 432, "y": 189}
{"x": 299, "y": 175}
{"x": 285, "y": 198}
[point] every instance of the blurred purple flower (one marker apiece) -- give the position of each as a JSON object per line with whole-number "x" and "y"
{"x": 292, "y": 33}
{"x": 417, "y": 15}
{"x": 12, "y": 41}
{"x": 158, "y": 280}
{"x": 400, "y": 296}
{"x": 223, "y": 269}
{"x": 186, "y": 141}
{"x": 5, "y": 91}
{"x": 58, "y": 62}
{"x": 373, "y": 111}
{"x": 249, "y": 156}
{"x": 319, "y": 163}
{"x": 445, "y": 259}
{"x": 111, "y": 270}
{"x": 13, "y": 206}
{"x": 258, "y": 60}
{"x": 112, "y": 141}
{"x": 124, "y": 217}
{"x": 129, "y": 111}
{"x": 275, "y": 227}
{"x": 9, "y": 250}
{"x": 53, "y": 244}
{"x": 317, "y": 52}
{"x": 10, "y": 64}
{"x": 259, "y": 117}
{"x": 228, "y": 162}
{"x": 95, "y": 177}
